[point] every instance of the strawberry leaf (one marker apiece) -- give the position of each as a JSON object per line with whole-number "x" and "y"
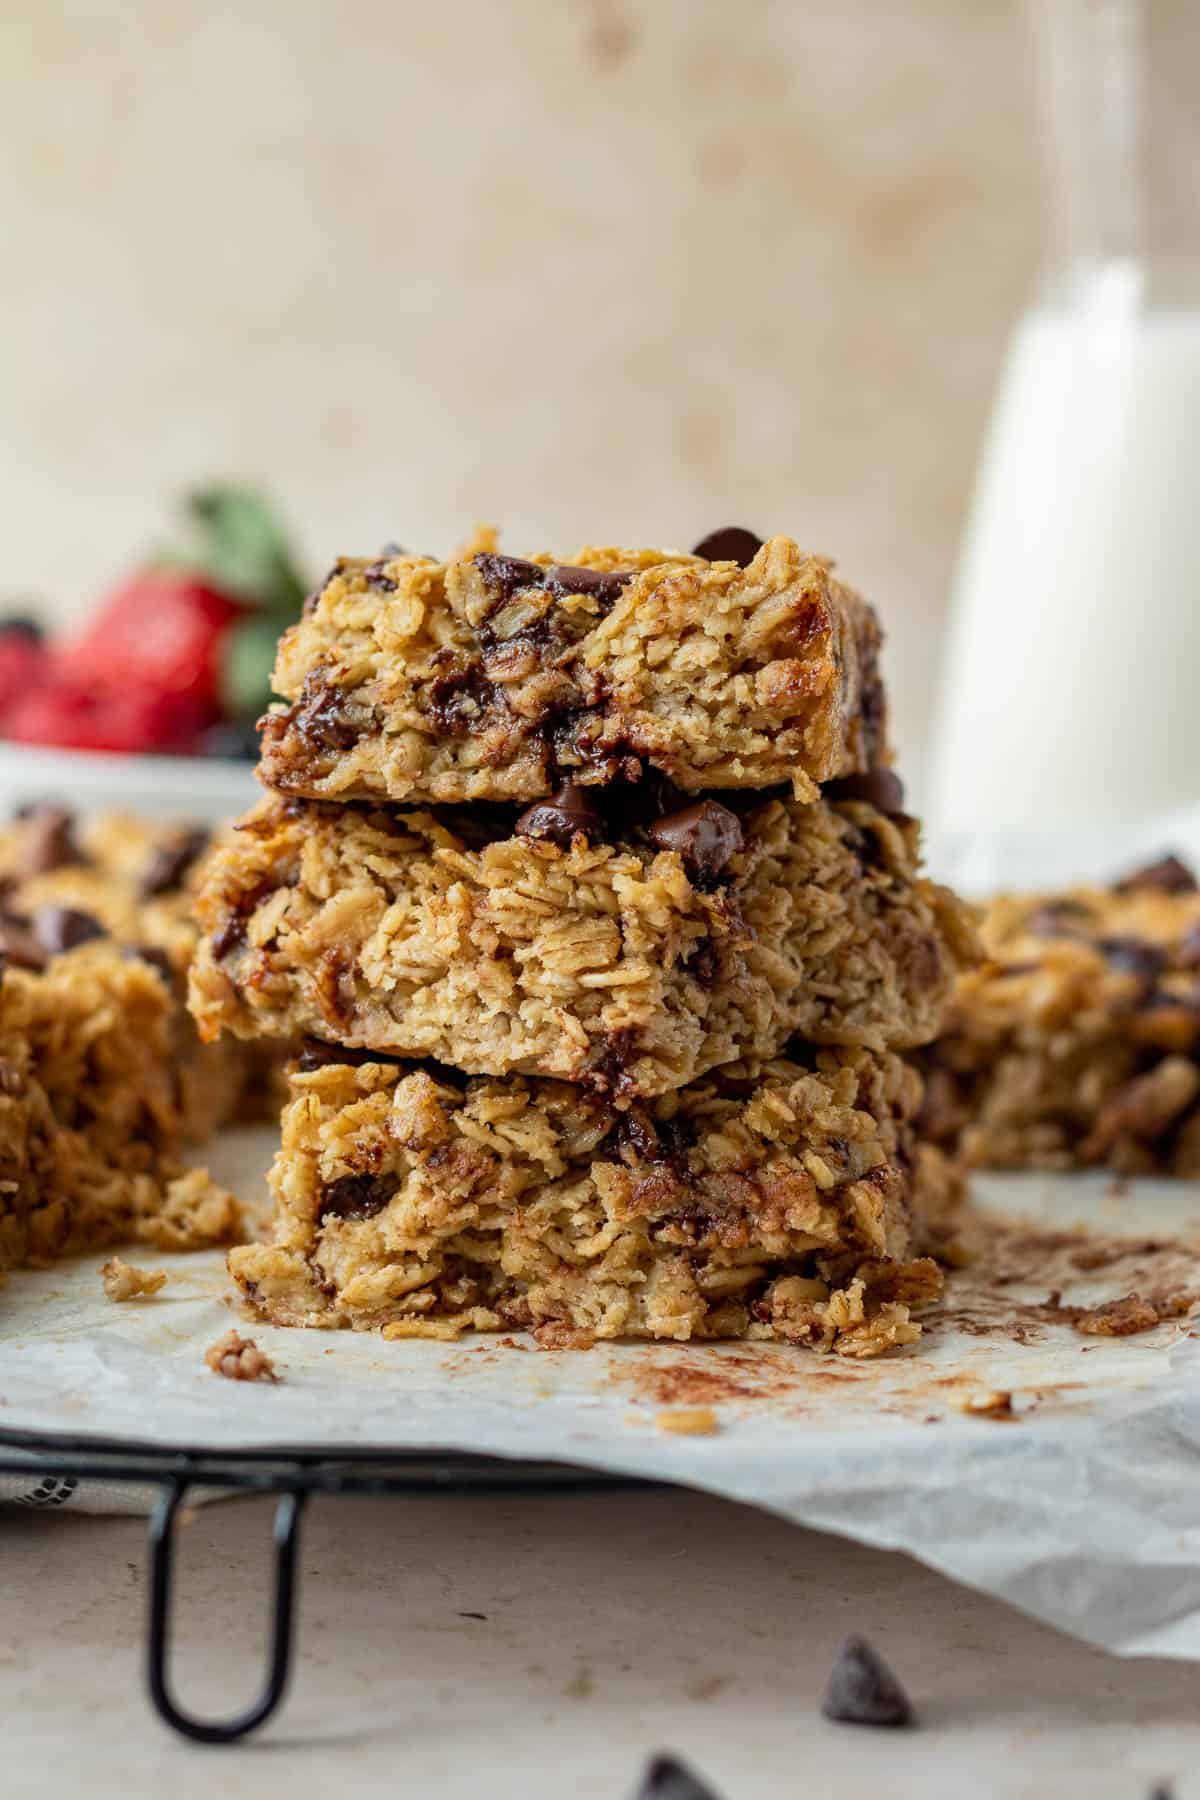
{"x": 239, "y": 545}
{"x": 248, "y": 657}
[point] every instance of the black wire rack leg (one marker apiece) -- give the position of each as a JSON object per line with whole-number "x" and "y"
{"x": 162, "y": 1550}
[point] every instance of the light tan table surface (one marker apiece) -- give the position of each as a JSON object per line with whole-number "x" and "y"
{"x": 615, "y": 1623}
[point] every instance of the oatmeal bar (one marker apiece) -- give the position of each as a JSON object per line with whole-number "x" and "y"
{"x": 774, "y": 1201}
{"x": 66, "y": 881}
{"x": 627, "y": 955}
{"x": 490, "y": 677}
{"x": 1077, "y": 1043}
{"x": 90, "y": 1113}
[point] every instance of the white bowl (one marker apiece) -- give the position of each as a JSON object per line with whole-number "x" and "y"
{"x": 206, "y": 789}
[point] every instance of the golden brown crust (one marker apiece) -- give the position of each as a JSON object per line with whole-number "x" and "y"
{"x": 488, "y": 678}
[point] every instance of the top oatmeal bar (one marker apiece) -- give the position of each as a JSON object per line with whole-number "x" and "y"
{"x": 493, "y": 678}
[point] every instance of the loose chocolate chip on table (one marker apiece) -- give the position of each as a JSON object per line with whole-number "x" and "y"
{"x": 731, "y": 544}
{"x": 60, "y": 928}
{"x": 703, "y": 836}
{"x": 880, "y": 788}
{"x": 559, "y": 819}
{"x": 862, "y": 1689}
{"x": 169, "y": 863}
{"x": 666, "y": 1778}
{"x": 50, "y": 841}
{"x": 1166, "y": 876}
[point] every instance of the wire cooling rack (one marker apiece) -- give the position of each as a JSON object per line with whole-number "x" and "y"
{"x": 292, "y": 1475}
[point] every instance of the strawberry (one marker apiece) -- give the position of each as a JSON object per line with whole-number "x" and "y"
{"x": 180, "y": 645}
{"x": 23, "y": 660}
{"x": 69, "y": 713}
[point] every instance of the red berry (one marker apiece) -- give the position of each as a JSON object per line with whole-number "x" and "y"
{"x": 23, "y": 666}
{"x": 161, "y": 632}
{"x": 66, "y": 713}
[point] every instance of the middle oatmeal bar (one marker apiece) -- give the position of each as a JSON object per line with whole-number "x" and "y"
{"x": 489, "y": 677}
{"x": 629, "y": 956}
{"x": 781, "y": 1201}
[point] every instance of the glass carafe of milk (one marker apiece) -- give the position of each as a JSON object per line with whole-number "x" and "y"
{"x": 1071, "y": 690}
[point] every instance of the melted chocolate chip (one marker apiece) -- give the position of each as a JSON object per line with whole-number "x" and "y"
{"x": 458, "y": 695}
{"x": 879, "y": 788}
{"x": 50, "y": 841}
{"x": 703, "y": 836}
{"x": 60, "y": 928}
{"x": 167, "y": 866}
{"x": 1133, "y": 957}
{"x": 862, "y": 1689}
{"x": 18, "y": 945}
{"x": 733, "y": 543}
{"x": 604, "y": 585}
{"x": 355, "y": 1197}
{"x": 320, "y": 715}
{"x": 508, "y": 575}
{"x": 1166, "y": 876}
{"x": 567, "y": 813}
{"x": 635, "y": 1131}
{"x": 666, "y": 1778}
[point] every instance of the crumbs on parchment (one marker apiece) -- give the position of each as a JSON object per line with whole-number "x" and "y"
{"x": 1132, "y": 1313}
{"x": 123, "y": 1282}
{"x": 688, "y": 1421}
{"x": 240, "y": 1359}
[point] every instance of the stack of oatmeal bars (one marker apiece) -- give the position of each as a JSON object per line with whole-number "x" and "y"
{"x": 589, "y": 889}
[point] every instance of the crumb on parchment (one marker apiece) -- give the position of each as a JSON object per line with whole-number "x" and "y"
{"x": 688, "y": 1421}
{"x": 123, "y": 1282}
{"x": 1132, "y": 1313}
{"x": 996, "y": 1404}
{"x": 240, "y": 1359}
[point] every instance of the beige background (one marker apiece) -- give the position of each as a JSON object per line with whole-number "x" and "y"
{"x": 593, "y": 269}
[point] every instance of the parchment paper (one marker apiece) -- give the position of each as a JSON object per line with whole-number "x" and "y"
{"x": 1083, "y": 1509}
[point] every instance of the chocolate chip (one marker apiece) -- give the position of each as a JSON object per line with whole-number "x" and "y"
{"x": 507, "y": 575}
{"x": 635, "y": 1131}
{"x": 1132, "y": 956}
{"x": 862, "y": 1689}
{"x": 377, "y": 577}
{"x": 880, "y": 788}
{"x": 320, "y": 715}
{"x": 1058, "y": 918}
{"x": 703, "y": 836}
{"x": 18, "y": 945}
{"x": 458, "y": 695}
{"x": 666, "y": 1778}
{"x": 733, "y": 543}
{"x": 167, "y": 866}
{"x": 1166, "y": 876}
{"x": 355, "y": 1197}
{"x": 12, "y": 1082}
{"x": 60, "y": 928}
{"x": 567, "y": 813}
{"x": 153, "y": 957}
{"x": 604, "y": 585}
{"x": 50, "y": 841}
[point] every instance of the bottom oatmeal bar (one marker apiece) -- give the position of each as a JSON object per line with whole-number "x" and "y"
{"x": 780, "y": 1201}
{"x": 1078, "y": 1042}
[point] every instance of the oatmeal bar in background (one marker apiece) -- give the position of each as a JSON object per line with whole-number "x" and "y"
{"x": 90, "y": 1113}
{"x": 1076, "y": 1044}
{"x": 781, "y": 1201}
{"x": 67, "y": 881}
{"x": 490, "y": 677}
{"x": 579, "y": 943}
